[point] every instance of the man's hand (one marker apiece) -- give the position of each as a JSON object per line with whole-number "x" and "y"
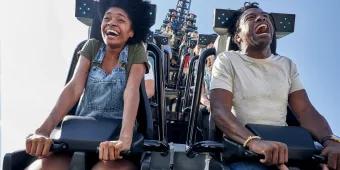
{"x": 275, "y": 153}
{"x": 332, "y": 151}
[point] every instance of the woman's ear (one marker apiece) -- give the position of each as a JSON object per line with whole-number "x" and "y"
{"x": 131, "y": 34}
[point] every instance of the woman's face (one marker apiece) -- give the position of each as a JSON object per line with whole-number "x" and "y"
{"x": 116, "y": 27}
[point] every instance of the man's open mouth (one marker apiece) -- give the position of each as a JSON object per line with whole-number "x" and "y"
{"x": 262, "y": 29}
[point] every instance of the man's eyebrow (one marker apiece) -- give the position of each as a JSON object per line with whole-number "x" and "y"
{"x": 255, "y": 14}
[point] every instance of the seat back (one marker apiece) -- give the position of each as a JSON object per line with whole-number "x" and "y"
{"x": 157, "y": 55}
{"x": 221, "y": 26}
{"x": 283, "y": 25}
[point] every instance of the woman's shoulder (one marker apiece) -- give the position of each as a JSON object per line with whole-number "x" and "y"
{"x": 94, "y": 43}
{"x": 90, "y": 48}
{"x": 137, "y": 51}
{"x": 136, "y": 47}
{"x": 137, "y": 55}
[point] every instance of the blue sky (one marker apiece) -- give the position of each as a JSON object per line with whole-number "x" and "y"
{"x": 313, "y": 46}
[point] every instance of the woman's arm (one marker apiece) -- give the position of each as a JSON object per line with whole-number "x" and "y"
{"x": 39, "y": 143}
{"x": 69, "y": 96}
{"x": 131, "y": 102}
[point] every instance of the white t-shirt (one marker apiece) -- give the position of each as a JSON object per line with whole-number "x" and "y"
{"x": 150, "y": 75}
{"x": 260, "y": 87}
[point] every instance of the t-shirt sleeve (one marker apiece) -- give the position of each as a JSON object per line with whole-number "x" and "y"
{"x": 295, "y": 83}
{"x": 137, "y": 55}
{"x": 222, "y": 74}
{"x": 90, "y": 49}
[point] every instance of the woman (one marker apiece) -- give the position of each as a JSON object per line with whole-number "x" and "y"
{"x": 107, "y": 77}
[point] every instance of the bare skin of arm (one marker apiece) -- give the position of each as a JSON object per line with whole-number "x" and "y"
{"x": 150, "y": 88}
{"x": 39, "y": 143}
{"x": 110, "y": 150}
{"x": 131, "y": 100}
{"x": 275, "y": 153}
{"x": 204, "y": 99}
{"x": 308, "y": 117}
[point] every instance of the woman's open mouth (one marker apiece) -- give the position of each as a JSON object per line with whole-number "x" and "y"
{"x": 112, "y": 33}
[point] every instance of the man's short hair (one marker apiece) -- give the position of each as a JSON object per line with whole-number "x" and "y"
{"x": 235, "y": 20}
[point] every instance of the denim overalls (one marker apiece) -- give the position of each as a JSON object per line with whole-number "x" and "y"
{"x": 103, "y": 95}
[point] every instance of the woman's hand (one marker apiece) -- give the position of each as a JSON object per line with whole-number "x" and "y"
{"x": 110, "y": 150}
{"x": 332, "y": 151}
{"x": 38, "y": 145}
{"x": 275, "y": 153}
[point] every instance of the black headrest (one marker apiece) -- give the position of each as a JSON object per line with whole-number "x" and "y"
{"x": 86, "y": 12}
{"x": 283, "y": 23}
{"x": 205, "y": 39}
{"x": 161, "y": 39}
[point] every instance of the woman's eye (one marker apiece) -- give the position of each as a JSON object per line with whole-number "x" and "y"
{"x": 121, "y": 20}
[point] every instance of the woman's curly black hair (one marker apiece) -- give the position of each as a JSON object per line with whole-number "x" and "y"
{"x": 138, "y": 12}
{"x": 235, "y": 23}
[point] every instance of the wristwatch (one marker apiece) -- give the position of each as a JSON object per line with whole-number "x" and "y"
{"x": 332, "y": 137}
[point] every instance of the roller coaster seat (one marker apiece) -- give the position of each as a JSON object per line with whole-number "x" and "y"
{"x": 19, "y": 159}
{"x": 301, "y": 153}
{"x": 283, "y": 23}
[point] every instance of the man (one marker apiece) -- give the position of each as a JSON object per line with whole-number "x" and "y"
{"x": 253, "y": 85}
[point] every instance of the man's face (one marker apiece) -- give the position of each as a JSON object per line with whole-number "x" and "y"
{"x": 255, "y": 27}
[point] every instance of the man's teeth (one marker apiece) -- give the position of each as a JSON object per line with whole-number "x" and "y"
{"x": 262, "y": 28}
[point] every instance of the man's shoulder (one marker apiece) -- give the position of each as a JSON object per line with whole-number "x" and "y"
{"x": 283, "y": 59}
{"x": 229, "y": 54}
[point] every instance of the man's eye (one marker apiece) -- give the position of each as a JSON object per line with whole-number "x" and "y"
{"x": 252, "y": 17}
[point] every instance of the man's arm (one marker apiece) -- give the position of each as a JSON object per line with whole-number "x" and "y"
{"x": 315, "y": 123}
{"x": 307, "y": 115}
{"x": 221, "y": 103}
{"x": 275, "y": 153}
{"x": 204, "y": 98}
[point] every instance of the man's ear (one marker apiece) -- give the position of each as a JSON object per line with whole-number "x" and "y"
{"x": 237, "y": 39}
